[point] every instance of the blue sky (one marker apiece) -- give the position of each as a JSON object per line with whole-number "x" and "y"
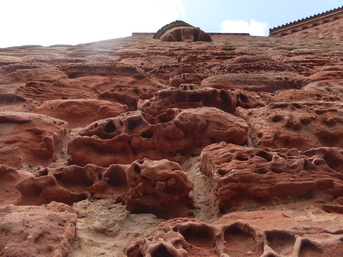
{"x": 47, "y": 22}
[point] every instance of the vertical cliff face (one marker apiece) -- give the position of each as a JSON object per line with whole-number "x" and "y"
{"x": 144, "y": 147}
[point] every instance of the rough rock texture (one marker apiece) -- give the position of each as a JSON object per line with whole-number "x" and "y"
{"x": 29, "y": 139}
{"x": 254, "y": 233}
{"x": 250, "y": 177}
{"x": 98, "y": 126}
{"x": 80, "y": 112}
{"x": 135, "y": 135}
{"x": 301, "y": 125}
{"x": 29, "y": 231}
{"x": 190, "y": 96}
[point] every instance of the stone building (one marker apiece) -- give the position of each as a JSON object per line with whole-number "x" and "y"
{"x": 328, "y": 25}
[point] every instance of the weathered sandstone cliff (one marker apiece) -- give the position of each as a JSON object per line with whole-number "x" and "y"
{"x": 143, "y": 147}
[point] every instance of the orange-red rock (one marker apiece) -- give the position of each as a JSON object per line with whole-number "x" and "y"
{"x": 301, "y": 125}
{"x": 255, "y": 82}
{"x": 43, "y": 190}
{"x": 253, "y": 233}
{"x": 135, "y": 135}
{"x": 245, "y": 176}
{"x": 30, "y": 139}
{"x": 28, "y": 231}
{"x": 80, "y": 112}
{"x": 9, "y": 178}
{"x": 13, "y": 102}
{"x": 190, "y": 96}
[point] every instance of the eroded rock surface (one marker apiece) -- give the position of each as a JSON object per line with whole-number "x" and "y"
{"x": 301, "y": 125}
{"x": 254, "y": 233}
{"x": 29, "y": 139}
{"x": 80, "y": 112}
{"x": 190, "y": 96}
{"x": 48, "y": 230}
{"x": 135, "y": 135}
{"x": 250, "y": 177}
{"x": 272, "y": 188}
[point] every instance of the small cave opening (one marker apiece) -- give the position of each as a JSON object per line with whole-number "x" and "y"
{"x": 238, "y": 241}
{"x": 147, "y": 134}
{"x": 110, "y": 127}
{"x": 161, "y": 251}
{"x": 265, "y": 155}
{"x": 243, "y": 98}
{"x": 281, "y": 241}
{"x": 199, "y": 235}
{"x": 309, "y": 249}
{"x": 116, "y": 177}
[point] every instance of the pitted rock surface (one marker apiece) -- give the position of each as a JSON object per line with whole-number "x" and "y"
{"x": 267, "y": 111}
{"x": 29, "y": 139}
{"x": 246, "y": 176}
{"x": 302, "y": 125}
{"x": 48, "y": 230}
{"x": 135, "y": 135}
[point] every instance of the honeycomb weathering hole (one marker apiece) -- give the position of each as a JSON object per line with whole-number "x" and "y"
{"x": 309, "y": 249}
{"x": 281, "y": 241}
{"x": 198, "y": 235}
{"x": 238, "y": 242}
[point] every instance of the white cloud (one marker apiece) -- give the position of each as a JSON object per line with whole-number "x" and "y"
{"x": 254, "y": 28}
{"x": 77, "y": 21}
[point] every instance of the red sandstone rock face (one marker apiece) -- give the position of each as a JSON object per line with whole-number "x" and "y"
{"x": 240, "y": 234}
{"x": 190, "y": 96}
{"x": 30, "y": 139}
{"x": 145, "y": 186}
{"x": 37, "y": 230}
{"x": 297, "y": 104}
{"x": 16, "y": 103}
{"x": 255, "y": 82}
{"x": 80, "y": 112}
{"x": 253, "y": 176}
{"x": 135, "y": 135}
{"x": 9, "y": 178}
{"x": 301, "y": 125}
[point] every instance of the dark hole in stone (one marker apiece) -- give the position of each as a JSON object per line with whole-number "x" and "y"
{"x": 243, "y": 98}
{"x": 242, "y": 157}
{"x": 194, "y": 98}
{"x": 281, "y": 241}
{"x": 116, "y": 177}
{"x": 161, "y": 251}
{"x": 265, "y": 155}
{"x": 121, "y": 123}
{"x": 221, "y": 172}
{"x": 135, "y": 91}
{"x": 296, "y": 105}
{"x": 238, "y": 241}
{"x": 308, "y": 249}
{"x": 147, "y": 134}
{"x": 277, "y": 118}
{"x": 137, "y": 169}
{"x": 110, "y": 127}
{"x": 224, "y": 97}
{"x": 198, "y": 235}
